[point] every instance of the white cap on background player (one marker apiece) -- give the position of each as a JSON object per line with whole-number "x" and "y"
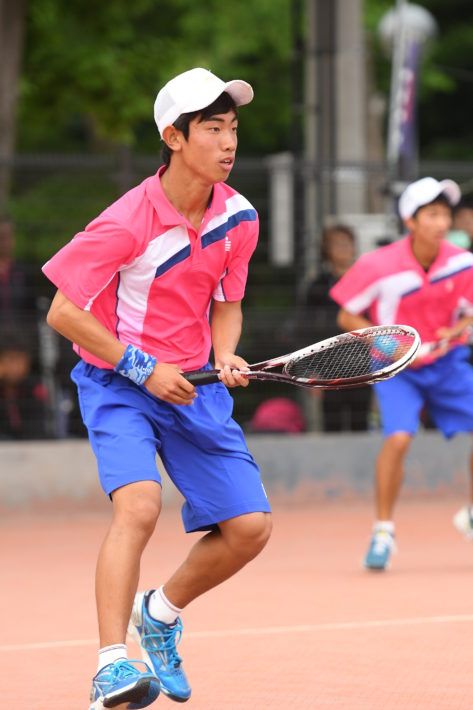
{"x": 424, "y": 191}
{"x": 194, "y": 90}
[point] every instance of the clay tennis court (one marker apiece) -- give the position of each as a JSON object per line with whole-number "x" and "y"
{"x": 303, "y": 626}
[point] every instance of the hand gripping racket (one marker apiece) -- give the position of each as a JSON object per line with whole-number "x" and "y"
{"x": 352, "y": 359}
{"x": 441, "y": 347}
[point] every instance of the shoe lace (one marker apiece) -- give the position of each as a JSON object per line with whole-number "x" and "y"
{"x": 165, "y": 642}
{"x": 382, "y": 541}
{"x": 122, "y": 669}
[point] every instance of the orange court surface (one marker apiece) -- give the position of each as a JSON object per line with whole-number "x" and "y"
{"x": 302, "y": 627}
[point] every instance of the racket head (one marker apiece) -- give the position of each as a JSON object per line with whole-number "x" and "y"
{"x": 355, "y": 358}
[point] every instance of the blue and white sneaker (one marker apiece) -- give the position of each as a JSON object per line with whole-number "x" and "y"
{"x": 158, "y": 643}
{"x": 381, "y": 545}
{"x": 123, "y": 682}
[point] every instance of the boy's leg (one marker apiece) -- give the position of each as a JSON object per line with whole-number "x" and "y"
{"x": 390, "y": 473}
{"x": 217, "y": 556}
{"x": 400, "y": 401}
{"x": 136, "y": 508}
{"x": 223, "y": 493}
{"x": 214, "y": 558}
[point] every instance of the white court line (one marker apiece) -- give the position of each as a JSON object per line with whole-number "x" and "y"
{"x": 264, "y": 631}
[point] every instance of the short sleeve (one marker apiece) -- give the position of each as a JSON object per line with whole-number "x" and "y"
{"x": 87, "y": 264}
{"x": 357, "y": 290}
{"x": 244, "y": 239}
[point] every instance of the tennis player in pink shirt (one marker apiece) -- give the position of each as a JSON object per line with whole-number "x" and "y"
{"x": 423, "y": 281}
{"x": 144, "y": 293}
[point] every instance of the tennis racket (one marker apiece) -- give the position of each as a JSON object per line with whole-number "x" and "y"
{"x": 441, "y": 347}
{"x": 352, "y": 359}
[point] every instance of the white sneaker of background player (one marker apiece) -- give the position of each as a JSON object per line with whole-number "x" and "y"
{"x": 463, "y": 521}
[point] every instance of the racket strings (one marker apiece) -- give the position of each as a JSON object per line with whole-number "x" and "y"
{"x": 351, "y": 357}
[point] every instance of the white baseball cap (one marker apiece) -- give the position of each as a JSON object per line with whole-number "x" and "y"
{"x": 424, "y": 191}
{"x": 194, "y": 90}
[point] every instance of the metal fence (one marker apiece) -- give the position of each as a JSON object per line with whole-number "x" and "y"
{"x": 52, "y": 197}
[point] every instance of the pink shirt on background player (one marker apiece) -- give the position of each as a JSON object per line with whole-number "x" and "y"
{"x": 390, "y": 286}
{"x": 142, "y": 270}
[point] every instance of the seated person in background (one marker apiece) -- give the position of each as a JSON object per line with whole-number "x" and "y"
{"x": 23, "y": 399}
{"x": 18, "y": 283}
{"x": 343, "y": 410}
{"x": 278, "y": 415}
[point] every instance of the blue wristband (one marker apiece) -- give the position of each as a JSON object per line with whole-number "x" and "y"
{"x": 136, "y": 365}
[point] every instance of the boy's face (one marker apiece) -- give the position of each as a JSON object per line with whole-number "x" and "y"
{"x": 431, "y": 224}
{"x": 211, "y": 146}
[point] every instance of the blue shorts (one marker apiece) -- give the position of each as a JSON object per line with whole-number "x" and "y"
{"x": 202, "y": 448}
{"x": 445, "y": 388}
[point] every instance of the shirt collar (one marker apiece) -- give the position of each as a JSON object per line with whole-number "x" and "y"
{"x": 167, "y": 213}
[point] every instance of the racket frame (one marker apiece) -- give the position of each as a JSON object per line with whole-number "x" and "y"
{"x": 263, "y": 370}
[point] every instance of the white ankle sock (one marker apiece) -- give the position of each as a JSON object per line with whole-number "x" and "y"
{"x": 385, "y": 525}
{"x": 110, "y": 654}
{"x": 161, "y": 609}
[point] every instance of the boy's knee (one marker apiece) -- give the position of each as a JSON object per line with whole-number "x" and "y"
{"x": 248, "y": 534}
{"x": 137, "y": 508}
{"x": 398, "y": 442}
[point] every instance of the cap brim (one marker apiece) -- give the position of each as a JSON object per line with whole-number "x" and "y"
{"x": 451, "y": 190}
{"x": 240, "y": 91}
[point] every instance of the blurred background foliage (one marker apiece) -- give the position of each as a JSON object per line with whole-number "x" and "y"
{"x": 89, "y": 79}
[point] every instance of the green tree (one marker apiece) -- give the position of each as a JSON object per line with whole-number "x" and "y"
{"x": 92, "y": 71}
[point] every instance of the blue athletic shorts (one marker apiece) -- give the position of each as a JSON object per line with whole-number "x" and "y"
{"x": 202, "y": 448}
{"x": 445, "y": 388}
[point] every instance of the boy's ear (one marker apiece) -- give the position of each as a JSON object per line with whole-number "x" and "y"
{"x": 173, "y": 138}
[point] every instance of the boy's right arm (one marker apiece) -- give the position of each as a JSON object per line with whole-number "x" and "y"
{"x": 83, "y": 328}
{"x": 352, "y": 321}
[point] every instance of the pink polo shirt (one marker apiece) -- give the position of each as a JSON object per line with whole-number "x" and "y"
{"x": 391, "y": 286}
{"x": 144, "y": 272}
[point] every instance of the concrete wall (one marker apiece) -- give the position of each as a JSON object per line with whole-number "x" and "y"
{"x": 41, "y": 474}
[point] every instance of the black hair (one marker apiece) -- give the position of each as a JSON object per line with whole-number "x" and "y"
{"x": 14, "y": 339}
{"x": 439, "y": 200}
{"x": 223, "y": 104}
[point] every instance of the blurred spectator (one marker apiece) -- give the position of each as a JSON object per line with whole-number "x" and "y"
{"x": 278, "y": 415}
{"x": 23, "y": 398}
{"x": 461, "y": 232}
{"x": 18, "y": 281}
{"x": 343, "y": 410}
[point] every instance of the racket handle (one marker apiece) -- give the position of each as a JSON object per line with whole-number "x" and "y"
{"x": 202, "y": 377}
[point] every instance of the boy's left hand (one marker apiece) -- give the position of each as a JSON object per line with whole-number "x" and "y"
{"x": 230, "y": 367}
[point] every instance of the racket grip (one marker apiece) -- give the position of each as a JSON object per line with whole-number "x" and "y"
{"x": 202, "y": 377}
